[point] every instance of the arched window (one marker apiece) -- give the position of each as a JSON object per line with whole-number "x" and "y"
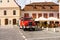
{"x": 5, "y": 13}
{"x": 14, "y": 21}
{"x": 14, "y": 12}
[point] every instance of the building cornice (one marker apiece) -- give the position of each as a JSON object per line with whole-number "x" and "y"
{"x": 9, "y": 8}
{"x": 9, "y": 16}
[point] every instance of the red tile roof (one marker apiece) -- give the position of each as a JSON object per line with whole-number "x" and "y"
{"x": 41, "y": 6}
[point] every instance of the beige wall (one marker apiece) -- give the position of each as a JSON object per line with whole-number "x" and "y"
{"x": 9, "y": 12}
{"x": 9, "y": 7}
{"x": 9, "y": 15}
{"x": 9, "y": 19}
{"x": 11, "y": 3}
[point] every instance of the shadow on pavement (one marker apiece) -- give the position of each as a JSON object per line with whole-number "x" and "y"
{"x": 32, "y": 29}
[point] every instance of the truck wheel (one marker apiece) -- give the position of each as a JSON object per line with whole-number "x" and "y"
{"x": 33, "y": 29}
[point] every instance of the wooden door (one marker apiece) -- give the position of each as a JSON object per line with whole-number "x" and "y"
{"x": 6, "y": 21}
{"x": 14, "y": 21}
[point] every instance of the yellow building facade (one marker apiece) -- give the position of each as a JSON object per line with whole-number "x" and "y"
{"x": 9, "y": 12}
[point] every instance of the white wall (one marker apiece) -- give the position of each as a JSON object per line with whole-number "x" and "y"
{"x": 30, "y": 12}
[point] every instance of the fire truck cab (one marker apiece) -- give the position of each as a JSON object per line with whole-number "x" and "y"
{"x": 27, "y": 23}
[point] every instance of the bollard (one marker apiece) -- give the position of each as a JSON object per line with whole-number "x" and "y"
{"x": 54, "y": 29}
{"x": 47, "y": 28}
{"x": 42, "y": 27}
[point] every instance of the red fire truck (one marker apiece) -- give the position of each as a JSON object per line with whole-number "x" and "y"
{"x": 27, "y": 23}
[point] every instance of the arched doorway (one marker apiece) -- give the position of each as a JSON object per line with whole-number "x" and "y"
{"x": 14, "y": 21}
{"x": 6, "y": 21}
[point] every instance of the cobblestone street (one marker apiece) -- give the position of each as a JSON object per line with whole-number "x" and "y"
{"x": 14, "y": 33}
{"x": 10, "y": 33}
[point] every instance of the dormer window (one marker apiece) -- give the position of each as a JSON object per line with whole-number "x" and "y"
{"x": 51, "y": 7}
{"x": 34, "y": 7}
{"x": 7, "y": 0}
{"x": 43, "y": 7}
{"x": 0, "y": 1}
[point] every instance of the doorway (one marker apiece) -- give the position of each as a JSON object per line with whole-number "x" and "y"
{"x": 6, "y": 21}
{"x": 14, "y": 21}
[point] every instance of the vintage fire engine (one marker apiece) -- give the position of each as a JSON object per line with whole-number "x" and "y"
{"x": 27, "y": 23}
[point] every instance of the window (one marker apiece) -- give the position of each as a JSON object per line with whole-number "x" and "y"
{"x": 57, "y": 15}
{"x": 34, "y": 15}
{"x": 45, "y": 15}
{"x": 43, "y": 7}
{"x": 34, "y": 7}
{"x": 26, "y": 14}
{"x": 51, "y": 15}
{"x": 14, "y": 21}
{"x": 14, "y": 12}
{"x": 0, "y": 1}
{"x": 39, "y": 15}
{"x": 5, "y": 12}
{"x": 51, "y": 7}
{"x": 7, "y": 0}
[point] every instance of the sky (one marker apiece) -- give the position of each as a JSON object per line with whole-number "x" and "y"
{"x": 22, "y": 3}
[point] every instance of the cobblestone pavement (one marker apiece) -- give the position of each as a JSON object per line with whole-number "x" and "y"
{"x": 41, "y": 35}
{"x": 10, "y": 33}
{"x": 14, "y": 33}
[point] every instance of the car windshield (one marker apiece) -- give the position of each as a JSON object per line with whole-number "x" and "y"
{"x": 27, "y": 19}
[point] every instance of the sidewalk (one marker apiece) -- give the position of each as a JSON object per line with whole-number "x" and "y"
{"x": 52, "y": 29}
{"x": 10, "y": 33}
{"x": 6, "y": 26}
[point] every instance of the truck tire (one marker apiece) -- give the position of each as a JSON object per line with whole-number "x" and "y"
{"x": 31, "y": 29}
{"x": 24, "y": 29}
